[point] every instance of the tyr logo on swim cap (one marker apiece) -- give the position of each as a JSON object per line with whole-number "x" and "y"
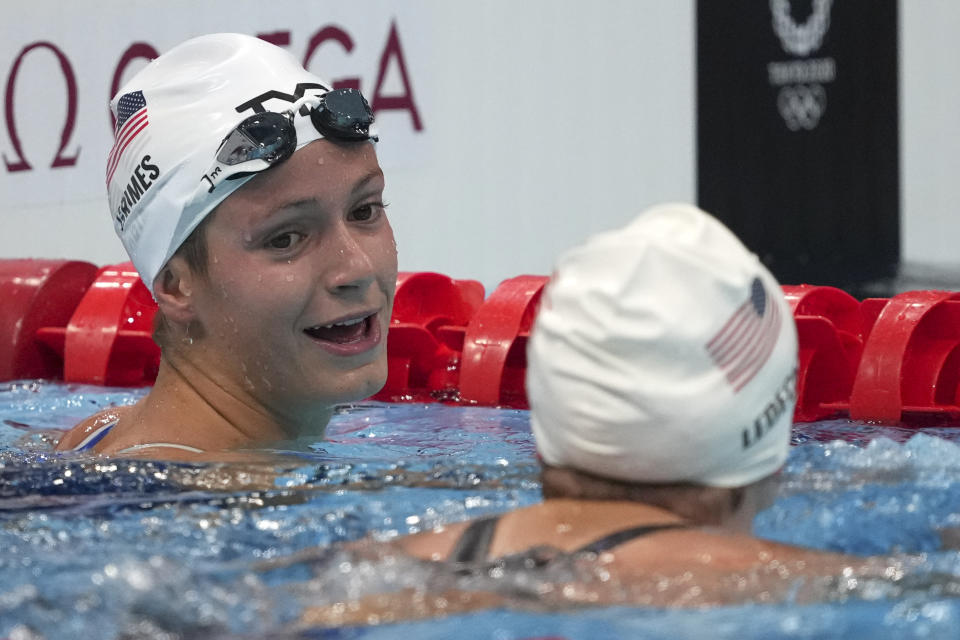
{"x": 173, "y": 116}
{"x": 663, "y": 352}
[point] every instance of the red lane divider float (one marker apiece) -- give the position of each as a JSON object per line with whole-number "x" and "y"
{"x": 495, "y": 346}
{"x": 911, "y": 359}
{"x": 430, "y": 316}
{"x": 109, "y": 339}
{"x": 891, "y": 360}
{"x": 37, "y": 294}
{"x": 830, "y": 330}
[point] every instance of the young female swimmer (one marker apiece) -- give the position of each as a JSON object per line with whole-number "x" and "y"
{"x": 249, "y": 197}
{"x": 661, "y": 375}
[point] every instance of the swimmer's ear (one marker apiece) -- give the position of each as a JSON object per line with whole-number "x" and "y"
{"x": 173, "y": 289}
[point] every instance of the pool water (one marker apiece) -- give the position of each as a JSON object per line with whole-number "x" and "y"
{"x": 111, "y": 548}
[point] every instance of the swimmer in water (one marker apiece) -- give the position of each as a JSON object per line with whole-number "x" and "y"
{"x": 248, "y": 195}
{"x": 661, "y": 379}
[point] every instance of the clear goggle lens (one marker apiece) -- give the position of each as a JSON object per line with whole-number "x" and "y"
{"x": 269, "y": 136}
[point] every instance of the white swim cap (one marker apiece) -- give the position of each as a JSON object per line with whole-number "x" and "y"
{"x": 664, "y": 352}
{"x": 171, "y": 119}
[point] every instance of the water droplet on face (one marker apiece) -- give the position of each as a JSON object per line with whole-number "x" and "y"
{"x": 320, "y": 160}
{"x": 290, "y": 277}
{"x": 259, "y": 277}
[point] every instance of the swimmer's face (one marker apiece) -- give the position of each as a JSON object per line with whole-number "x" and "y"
{"x": 302, "y": 271}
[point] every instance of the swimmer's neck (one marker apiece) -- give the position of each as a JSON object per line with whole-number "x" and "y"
{"x": 699, "y": 505}
{"x": 189, "y": 406}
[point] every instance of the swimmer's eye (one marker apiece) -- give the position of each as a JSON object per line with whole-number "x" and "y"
{"x": 368, "y": 212}
{"x": 285, "y": 240}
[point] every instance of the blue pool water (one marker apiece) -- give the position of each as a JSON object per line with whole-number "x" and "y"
{"x": 138, "y": 549}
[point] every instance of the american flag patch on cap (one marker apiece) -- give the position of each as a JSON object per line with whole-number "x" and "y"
{"x": 744, "y": 343}
{"x": 131, "y": 121}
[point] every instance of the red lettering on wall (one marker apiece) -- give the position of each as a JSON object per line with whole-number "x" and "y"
{"x": 278, "y": 38}
{"x": 403, "y": 102}
{"x": 392, "y": 58}
{"x": 67, "y": 132}
{"x": 135, "y": 51}
{"x": 343, "y": 38}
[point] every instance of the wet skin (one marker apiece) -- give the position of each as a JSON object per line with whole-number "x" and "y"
{"x": 309, "y": 245}
{"x": 255, "y": 358}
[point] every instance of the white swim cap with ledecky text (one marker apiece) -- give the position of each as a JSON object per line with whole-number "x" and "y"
{"x": 664, "y": 352}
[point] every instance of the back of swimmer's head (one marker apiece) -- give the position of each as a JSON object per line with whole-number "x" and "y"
{"x": 664, "y": 352}
{"x": 172, "y": 118}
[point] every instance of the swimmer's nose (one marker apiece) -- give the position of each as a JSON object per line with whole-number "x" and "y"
{"x": 348, "y": 263}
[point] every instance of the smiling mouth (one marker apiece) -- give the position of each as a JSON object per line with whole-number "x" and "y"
{"x": 355, "y": 331}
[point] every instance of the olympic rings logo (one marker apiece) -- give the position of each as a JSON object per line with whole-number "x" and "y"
{"x": 802, "y": 105}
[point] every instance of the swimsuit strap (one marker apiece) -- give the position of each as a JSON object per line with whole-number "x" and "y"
{"x": 96, "y": 436}
{"x": 617, "y": 538}
{"x": 474, "y": 543}
{"x": 171, "y": 445}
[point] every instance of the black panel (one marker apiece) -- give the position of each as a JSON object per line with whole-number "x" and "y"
{"x": 797, "y": 133}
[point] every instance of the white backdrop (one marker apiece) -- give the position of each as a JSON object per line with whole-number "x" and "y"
{"x": 930, "y": 132}
{"x": 540, "y": 121}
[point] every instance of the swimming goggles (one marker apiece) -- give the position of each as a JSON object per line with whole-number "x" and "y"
{"x": 266, "y": 139}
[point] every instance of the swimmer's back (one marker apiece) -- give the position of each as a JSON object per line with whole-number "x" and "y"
{"x": 642, "y": 539}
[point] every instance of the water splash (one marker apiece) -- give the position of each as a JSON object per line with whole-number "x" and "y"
{"x": 139, "y": 548}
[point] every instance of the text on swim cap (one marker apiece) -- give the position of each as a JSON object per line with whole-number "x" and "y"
{"x": 782, "y": 400}
{"x": 141, "y": 179}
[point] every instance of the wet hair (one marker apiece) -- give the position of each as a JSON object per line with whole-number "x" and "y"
{"x": 194, "y": 249}
{"x": 699, "y": 503}
{"x": 195, "y": 253}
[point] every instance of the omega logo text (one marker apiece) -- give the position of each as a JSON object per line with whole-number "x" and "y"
{"x": 391, "y": 64}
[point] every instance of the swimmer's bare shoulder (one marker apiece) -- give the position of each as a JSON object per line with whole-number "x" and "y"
{"x": 714, "y": 554}
{"x": 681, "y": 568}
{"x": 111, "y": 444}
{"x": 722, "y": 551}
{"x": 77, "y": 434}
